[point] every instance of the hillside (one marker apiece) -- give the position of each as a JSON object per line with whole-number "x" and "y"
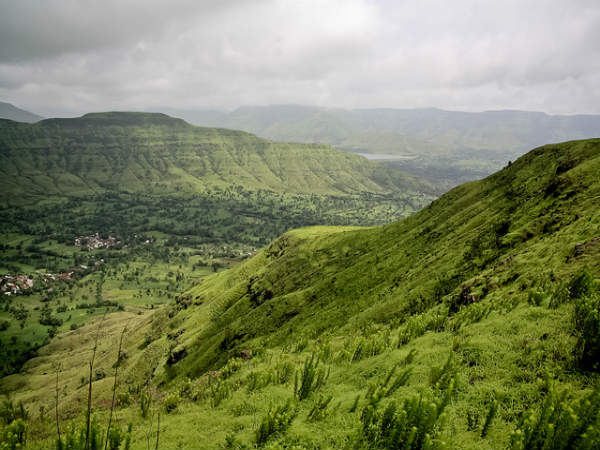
{"x": 451, "y": 146}
{"x": 127, "y": 209}
{"x": 11, "y": 112}
{"x": 152, "y": 152}
{"x": 461, "y": 326}
{"x": 143, "y": 172}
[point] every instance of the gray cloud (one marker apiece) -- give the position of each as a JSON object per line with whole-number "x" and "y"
{"x": 73, "y": 56}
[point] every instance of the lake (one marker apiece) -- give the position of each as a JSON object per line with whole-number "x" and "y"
{"x": 382, "y": 156}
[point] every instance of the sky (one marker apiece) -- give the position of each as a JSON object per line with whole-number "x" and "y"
{"x": 69, "y": 57}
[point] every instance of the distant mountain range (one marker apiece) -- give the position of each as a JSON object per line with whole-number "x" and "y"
{"x": 451, "y": 145}
{"x": 11, "y": 112}
{"x": 402, "y": 131}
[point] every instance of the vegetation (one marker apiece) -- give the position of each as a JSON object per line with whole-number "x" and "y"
{"x": 167, "y": 202}
{"x": 468, "y": 325}
{"x": 446, "y": 147}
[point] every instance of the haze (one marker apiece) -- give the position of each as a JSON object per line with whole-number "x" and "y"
{"x": 70, "y": 57}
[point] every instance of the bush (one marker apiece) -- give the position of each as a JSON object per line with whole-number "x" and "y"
{"x": 171, "y": 402}
{"x": 560, "y": 424}
{"x": 14, "y": 435}
{"x": 9, "y": 412}
{"x": 311, "y": 378}
{"x": 275, "y": 422}
{"x": 414, "y": 425}
{"x": 417, "y": 325}
{"x": 319, "y": 409}
{"x": 117, "y": 436}
{"x": 582, "y": 284}
{"x": 283, "y": 372}
{"x": 145, "y": 402}
{"x": 586, "y": 321}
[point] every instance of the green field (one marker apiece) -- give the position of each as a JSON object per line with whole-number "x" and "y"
{"x": 471, "y": 324}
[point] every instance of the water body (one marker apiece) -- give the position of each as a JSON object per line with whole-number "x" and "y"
{"x": 383, "y": 156}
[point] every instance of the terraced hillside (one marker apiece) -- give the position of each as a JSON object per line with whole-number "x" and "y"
{"x": 471, "y": 324}
{"x": 141, "y": 172}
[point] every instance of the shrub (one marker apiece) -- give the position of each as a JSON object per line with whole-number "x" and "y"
{"x": 441, "y": 377}
{"x": 582, "y": 284}
{"x": 283, "y": 372}
{"x": 231, "y": 367}
{"x": 171, "y": 402}
{"x": 219, "y": 391}
{"x": 257, "y": 380}
{"x": 9, "y": 412}
{"x": 275, "y": 422}
{"x": 14, "y": 435}
{"x": 145, "y": 401}
{"x": 376, "y": 392}
{"x": 371, "y": 346}
{"x": 536, "y": 297}
{"x": 419, "y": 324}
{"x": 123, "y": 399}
{"x": 311, "y": 378}
{"x": 414, "y": 425}
{"x": 493, "y": 409}
{"x": 117, "y": 436}
{"x": 560, "y": 424}
{"x": 586, "y": 321}
{"x": 319, "y": 409}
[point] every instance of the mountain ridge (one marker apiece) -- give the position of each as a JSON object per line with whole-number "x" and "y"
{"x": 11, "y": 112}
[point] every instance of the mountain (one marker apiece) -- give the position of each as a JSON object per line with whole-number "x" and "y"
{"x": 455, "y": 146}
{"x": 131, "y": 173}
{"x": 470, "y": 324}
{"x": 136, "y": 151}
{"x": 11, "y": 112}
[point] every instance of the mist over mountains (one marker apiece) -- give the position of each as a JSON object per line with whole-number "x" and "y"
{"x": 11, "y": 112}
{"x": 449, "y": 147}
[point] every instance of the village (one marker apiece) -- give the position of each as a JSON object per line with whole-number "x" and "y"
{"x": 95, "y": 241}
{"x": 20, "y": 284}
{"x": 13, "y": 285}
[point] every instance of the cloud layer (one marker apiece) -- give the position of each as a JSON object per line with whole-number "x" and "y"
{"x": 74, "y": 56}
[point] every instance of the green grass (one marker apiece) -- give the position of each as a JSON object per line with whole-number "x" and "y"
{"x": 455, "y": 305}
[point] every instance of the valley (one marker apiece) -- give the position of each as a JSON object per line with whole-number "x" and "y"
{"x": 456, "y": 327}
{"x": 127, "y": 210}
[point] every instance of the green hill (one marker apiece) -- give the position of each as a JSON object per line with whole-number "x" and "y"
{"x": 449, "y": 147}
{"x": 157, "y": 153}
{"x": 11, "y": 112}
{"x": 471, "y": 324}
{"x": 143, "y": 172}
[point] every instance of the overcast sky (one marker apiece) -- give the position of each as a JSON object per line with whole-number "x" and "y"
{"x": 64, "y": 57}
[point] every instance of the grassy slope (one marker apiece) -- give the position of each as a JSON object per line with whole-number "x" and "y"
{"x": 153, "y": 152}
{"x": 377, "y": 274}
{"x": 331, "y": 290}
